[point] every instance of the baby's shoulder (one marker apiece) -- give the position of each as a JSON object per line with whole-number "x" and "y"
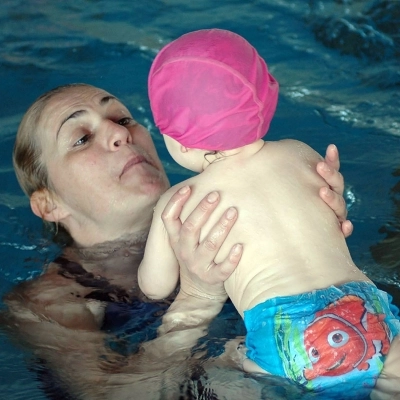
{"x": 295, "y": 150}
{"x": 171, "y": 192}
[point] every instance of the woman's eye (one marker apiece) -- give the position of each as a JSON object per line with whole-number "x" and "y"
{"x": 125, "y": 121}
{"x": 82, "y": 141}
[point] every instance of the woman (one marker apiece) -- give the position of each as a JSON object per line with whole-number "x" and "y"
{"x": 87, "y": 166}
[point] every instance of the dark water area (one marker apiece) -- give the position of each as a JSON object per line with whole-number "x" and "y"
{"x": 337, "y": 63}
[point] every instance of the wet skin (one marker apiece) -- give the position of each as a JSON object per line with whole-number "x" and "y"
{"x": 102, "y": 164}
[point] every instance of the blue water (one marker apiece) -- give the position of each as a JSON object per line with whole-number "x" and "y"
{"x": 338, "y": 67}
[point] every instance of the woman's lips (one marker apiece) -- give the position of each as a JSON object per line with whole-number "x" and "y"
{"x": 138, "y": 159}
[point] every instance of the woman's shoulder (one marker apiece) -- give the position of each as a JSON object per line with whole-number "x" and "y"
{"x": 53, "y": 297}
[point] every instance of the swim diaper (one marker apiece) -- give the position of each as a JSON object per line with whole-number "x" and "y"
{"x": 331, "y": 341}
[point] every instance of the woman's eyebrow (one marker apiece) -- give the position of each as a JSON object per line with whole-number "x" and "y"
{"x": 103, "y": 101}
{"x": 106, "y": 99}
{"x": 73, "y": 115}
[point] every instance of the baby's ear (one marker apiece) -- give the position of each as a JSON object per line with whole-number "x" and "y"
{"x": 184, "y": 149}
{"x": 44, "y": 206}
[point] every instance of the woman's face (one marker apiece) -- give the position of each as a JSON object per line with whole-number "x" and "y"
{"x": 103, "y": 166}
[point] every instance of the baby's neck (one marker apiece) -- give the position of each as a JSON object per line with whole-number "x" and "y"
{"x": 233, "y": 155}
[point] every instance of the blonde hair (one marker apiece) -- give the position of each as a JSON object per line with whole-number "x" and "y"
{"x": 29, "y": 168}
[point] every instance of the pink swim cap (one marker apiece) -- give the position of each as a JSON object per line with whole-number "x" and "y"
{"x": 211, "y": 90}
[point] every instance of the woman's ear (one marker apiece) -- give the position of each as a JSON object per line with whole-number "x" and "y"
{"x": 44, "y": 205}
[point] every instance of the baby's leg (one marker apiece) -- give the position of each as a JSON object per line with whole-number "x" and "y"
{"x": 234, "y": 354}
{"x": 388, "y": 385}
{"x": 252, "y": 367}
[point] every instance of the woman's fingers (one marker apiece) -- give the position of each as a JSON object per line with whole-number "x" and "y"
{"x": 332, "y": 177}
{"x": 218, "y": 233}
{"x": 335, "y": 201}
{"x": 188, "y": 233}
{"x": 347, "y": 228}
{"x": 223, "y": 270}
{"x": 333, "y": 195}
{"x": 210, "y": 246}
{"x": 329, "y": 169}
{"x": 172, "y": 212}
{"x": 207, "y": 280}
{"x": 191, "y": 227}
{"x": 197, "y": 257}
{"x": 332, "y": 157}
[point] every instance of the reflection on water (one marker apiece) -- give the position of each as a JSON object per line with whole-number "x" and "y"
{"x": 365, "y": 30}
{"x": 387, "y": 251}
{"x": 368, "y": 33}
{"x": 338, "y": 66}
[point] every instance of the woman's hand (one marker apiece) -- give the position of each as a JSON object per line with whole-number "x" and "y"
{"x": 200, "y": 276}
{"x": 333, "y": 196}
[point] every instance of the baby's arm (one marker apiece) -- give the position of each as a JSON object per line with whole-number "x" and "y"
{"x": 159, "y": 270}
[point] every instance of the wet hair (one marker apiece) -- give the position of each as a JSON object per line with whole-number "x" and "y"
{"x": 29, "y": 168}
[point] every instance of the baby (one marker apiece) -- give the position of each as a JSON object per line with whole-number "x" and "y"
{"x": 311, "y": 315}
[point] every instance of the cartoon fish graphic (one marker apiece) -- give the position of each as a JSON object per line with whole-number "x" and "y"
{"x": 344, "y": 336}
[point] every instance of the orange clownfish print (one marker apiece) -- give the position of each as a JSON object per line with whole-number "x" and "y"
{"x": 344, "y": 336}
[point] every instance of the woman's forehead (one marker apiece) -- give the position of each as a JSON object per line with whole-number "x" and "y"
{"x": 61, "y": 105}
{"x": 80, "y": 95}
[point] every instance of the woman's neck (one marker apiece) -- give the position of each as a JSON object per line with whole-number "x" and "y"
{"x": 117, "y": 260}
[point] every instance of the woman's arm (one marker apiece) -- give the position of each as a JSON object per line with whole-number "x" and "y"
{"x": 45, "y": 316}
{"x": 50, "y": 316}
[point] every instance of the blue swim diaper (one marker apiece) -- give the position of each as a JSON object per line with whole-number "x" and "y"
{"x": 331, "y": 340}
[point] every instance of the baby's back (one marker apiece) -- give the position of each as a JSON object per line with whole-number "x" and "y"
{"x": 292, "y": 239}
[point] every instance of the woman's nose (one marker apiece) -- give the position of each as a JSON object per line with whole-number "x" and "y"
{"x": 117, "y": 135}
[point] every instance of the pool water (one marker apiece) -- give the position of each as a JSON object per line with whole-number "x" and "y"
{"x": 338, "y": 67}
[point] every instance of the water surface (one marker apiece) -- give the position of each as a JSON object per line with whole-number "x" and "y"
{"x": 337, "y": 64}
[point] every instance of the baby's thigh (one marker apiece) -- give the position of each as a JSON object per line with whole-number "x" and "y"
{"x": 388, "y": 384}
{"x": 235, "y": 356}
{"x": 234, "y": 353}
